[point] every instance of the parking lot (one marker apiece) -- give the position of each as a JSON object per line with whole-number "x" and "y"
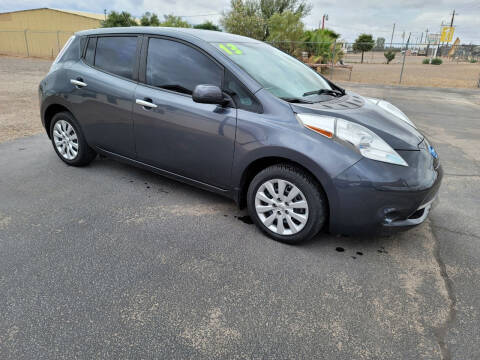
{"x": 110, "y": 261}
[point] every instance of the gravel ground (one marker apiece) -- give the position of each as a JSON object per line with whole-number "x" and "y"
{"x": 19, "y": 79}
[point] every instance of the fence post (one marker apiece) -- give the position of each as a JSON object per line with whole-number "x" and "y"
{"x": 333, "y": 58}
{"x": 26, "y": 42}
{"x": 58, "y": 41}
{"x": 403, "y": 63}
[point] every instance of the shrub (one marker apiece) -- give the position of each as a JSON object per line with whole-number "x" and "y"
{"x": 473, "y": 61}
{"x": 389, "y": 55}
{"x": 426, "y": 61}
{"x": 436, "y": 61}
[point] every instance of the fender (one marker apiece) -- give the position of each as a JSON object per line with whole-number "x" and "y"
{"x": 240, "y": 166}
{"x": 50, "y": 101}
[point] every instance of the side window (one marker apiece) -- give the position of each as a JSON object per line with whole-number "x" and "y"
{"x": 116, "y": 54}
{"x": 242, "y": 97}
{"x": 179, "y": 67}
{"x": 90, "y": 52}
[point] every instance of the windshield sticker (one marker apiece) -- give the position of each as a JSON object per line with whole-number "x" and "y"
{"x": 230, "y": 49}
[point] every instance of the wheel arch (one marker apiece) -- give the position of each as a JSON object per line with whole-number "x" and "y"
{"x": 49, "y": 111}
{"x": 260, "y": 163}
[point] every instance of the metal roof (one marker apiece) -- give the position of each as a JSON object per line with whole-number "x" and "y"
{"x": 73, "y": 12}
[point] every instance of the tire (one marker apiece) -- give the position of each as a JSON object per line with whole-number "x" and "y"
{"x": 287, "y": 177}
{"x": 72, "y": 147}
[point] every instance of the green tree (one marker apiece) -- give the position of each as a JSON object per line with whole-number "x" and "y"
{"x": 207, "y": 25}
{"x": 252, "y": 17}
{"x": 244, "y": 18}
{"x": 174, "y": 21}
{"x": 149, "y": 19}
{"x": 115, "y": 19}
{"x": 319, "y": 43}
{"x": 286, "y": 30}
{"x": 269, "y": 8}
{"x": 389, "y": 55}
{"x": 380, "y": 43}
{"x": 364, "y": 43}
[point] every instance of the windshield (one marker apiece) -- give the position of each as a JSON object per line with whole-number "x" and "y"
{"x": 279, "y": 73}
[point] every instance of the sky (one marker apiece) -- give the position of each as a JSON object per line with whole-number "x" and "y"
{"x": 347, "y": 17}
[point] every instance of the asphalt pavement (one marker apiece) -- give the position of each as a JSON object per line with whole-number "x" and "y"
{"x": 109, "y": 261}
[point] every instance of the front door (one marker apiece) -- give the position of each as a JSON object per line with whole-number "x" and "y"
{"x": 175, "y": 133}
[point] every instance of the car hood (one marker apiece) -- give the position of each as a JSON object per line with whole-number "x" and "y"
{"x": 355, "y": 108}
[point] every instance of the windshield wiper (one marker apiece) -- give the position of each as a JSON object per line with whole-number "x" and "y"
{"x": 332, "y": 92}
{"x": 296, "y": 100}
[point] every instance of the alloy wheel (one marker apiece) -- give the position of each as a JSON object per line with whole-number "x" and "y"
{"x": 65, "y": 139}
{"x": 281, "y": 207}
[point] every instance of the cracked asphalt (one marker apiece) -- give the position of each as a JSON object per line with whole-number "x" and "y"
{"x": 110, "y": 261}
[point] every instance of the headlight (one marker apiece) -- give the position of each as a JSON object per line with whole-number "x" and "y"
{"x": 392, "y": 109}
{"x": 365, "y": 141}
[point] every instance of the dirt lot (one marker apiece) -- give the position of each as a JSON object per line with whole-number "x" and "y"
{"x": 375, "y": 71}
{"x": 19, "y": 79}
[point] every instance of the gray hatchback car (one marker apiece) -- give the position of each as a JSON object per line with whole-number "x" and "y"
{"x": 238, "y": 117}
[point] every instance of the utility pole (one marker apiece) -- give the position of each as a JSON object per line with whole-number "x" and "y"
{"x": 453, "y": 17}
{"x": 105, "y": 14}
{"x": 393, "y": 32}
{"x": 451, "y": 22}
{"x": 428, "y": 42}
{"x": 324, "y": 18}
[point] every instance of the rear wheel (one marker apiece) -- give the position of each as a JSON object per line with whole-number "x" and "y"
{"x": 286, "y": 203}
{"x": 68, "y": 140}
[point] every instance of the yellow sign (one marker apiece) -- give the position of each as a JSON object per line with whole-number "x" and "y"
{"x": 447, "y": 34}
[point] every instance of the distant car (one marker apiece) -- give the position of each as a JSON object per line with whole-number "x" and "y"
{"x": 238, "y": 117}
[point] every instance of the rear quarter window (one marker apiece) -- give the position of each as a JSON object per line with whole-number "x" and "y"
{"x": 72, "y": 52}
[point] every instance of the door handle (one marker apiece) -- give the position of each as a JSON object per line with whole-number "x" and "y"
{"x": 78, "y": 83}
{"x": 146, "y": 104}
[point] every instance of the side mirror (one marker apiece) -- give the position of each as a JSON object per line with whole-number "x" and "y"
{"x": 208, "y": 94}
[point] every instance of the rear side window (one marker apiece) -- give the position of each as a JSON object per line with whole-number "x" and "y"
{"x": 90, "y": 52}
{"x": 116, "y": 54}
{"x": 179, "y": 67}
{"x": 70, "y": 51}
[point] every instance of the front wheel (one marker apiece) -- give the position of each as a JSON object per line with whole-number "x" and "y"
{"x": 286, "y": 203}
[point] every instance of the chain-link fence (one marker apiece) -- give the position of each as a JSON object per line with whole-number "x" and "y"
{"x": 396, "y": 63}
{"x": 418, "y": 64}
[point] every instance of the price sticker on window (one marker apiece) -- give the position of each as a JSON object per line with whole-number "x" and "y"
{"x": 230, "y": 49}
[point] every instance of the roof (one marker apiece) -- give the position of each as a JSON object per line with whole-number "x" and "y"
{"x": 205, "y": 35}
{"x": 73, "y": 12}
{"x": 83, "y": 13}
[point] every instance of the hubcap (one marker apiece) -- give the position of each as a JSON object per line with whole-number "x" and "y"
{"x": 65, "y": 139}
{"x": 281, "y": 207}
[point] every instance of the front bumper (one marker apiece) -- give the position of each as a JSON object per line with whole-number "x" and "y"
{"x": 374, "y": 197}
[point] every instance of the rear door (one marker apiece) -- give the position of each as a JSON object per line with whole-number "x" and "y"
{"x": 177, "y": 134}
{"x": 105, "y": 82}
